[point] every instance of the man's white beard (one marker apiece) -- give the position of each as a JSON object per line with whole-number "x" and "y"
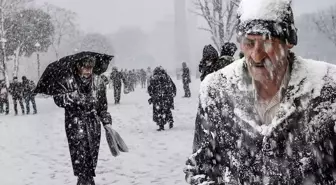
{"x": 269, "y": 66}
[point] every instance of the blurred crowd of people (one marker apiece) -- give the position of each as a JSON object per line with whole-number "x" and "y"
{"x": 21, "y": 93}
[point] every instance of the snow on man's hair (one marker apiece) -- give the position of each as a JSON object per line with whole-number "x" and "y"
{"x": 271, "y": 10}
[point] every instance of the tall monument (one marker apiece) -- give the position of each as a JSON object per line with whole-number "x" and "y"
{"x": 182, "y": 49}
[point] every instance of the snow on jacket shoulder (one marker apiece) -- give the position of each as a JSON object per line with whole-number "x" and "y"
{"x": 232, "y": 146}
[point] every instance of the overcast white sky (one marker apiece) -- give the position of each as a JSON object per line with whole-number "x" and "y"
{"x": 106, "y": 16}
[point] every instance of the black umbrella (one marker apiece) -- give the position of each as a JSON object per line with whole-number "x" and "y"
{"x": 52, "y": 79}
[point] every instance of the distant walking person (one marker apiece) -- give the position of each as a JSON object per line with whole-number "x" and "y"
{"x": 186, "y": 80}
{"x": 162, "y": 91}
{"x": 15, "y": 89}
{"x": 28, "y": 86}
{"x": 143, "y": 78}
{"x": 116, "y": 78}
{"x": 3, "y": 98}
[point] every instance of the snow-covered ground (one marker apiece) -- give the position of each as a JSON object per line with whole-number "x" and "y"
{"x": 34, "y": 150}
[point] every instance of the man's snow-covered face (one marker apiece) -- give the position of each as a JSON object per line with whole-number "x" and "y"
{"x": 266, "y": 57}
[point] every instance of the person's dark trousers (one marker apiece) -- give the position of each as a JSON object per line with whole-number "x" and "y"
{"x": 3, "y": 102}
{"x": 28, "y": 99}
{"x": 117, "y": 93}
{"x": 186, "y": 88}
{"x": 15, "y": 100}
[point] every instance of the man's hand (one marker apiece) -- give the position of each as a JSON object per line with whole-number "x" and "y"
{"x": 106, "y": 118}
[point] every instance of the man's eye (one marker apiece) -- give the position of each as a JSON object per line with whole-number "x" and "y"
{"x": 248, "y": 43}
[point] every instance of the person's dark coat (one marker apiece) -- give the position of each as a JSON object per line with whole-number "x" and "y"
{"x": 28, "y": 87}
{"x": 208, "y": 62}
{"x": 85, "y": 107}
{"x": 162, "y": 91}
{"x": 231, "y": 146}
{"x": 186, "y": 80}
{"x": 117, "y": 79}
{"x": 16, "y": 90}
{"x": 223, "y": 61}
{"x": 28, "y": 95}
{"x": 186, "y": 75}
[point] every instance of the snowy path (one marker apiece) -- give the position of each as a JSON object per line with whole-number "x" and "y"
{"x": 34, "y": 150}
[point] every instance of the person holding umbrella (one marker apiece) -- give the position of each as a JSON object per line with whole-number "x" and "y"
{"x": 77, "y": 85}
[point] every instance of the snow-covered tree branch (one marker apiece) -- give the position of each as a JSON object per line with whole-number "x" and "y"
{"x": 326, "y": 23}
{"x": 220, "y": 16}
{"x": 64, "y": 22}
{"x": 7, "y": 9}
{"x": 25, "y": 29}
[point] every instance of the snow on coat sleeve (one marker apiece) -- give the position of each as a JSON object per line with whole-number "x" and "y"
{"x": 104, "y": 115}
{"x": 205, "y": 165}
{"x": 68, "y": 100}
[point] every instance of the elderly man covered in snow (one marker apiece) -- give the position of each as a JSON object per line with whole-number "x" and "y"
{"x": 268, "y": 118}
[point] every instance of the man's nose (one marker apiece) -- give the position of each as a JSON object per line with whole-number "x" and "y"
{"x": 258, "y": 53}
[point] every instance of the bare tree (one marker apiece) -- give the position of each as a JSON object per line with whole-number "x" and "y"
{"x": 326, "y": 23}
{"x": 7, "y": 8}
{"x": 64, "y": 22}
{"x": 220, "y": 16}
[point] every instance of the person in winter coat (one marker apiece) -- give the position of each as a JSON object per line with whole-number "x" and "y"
{"x": 28, "y": 87}
{"x": 143, "y": 78}
{"x": 134, "y": 79}
{"x": 226, "y": 58}
{"x": 4, "y": 98}
{"x": 268, "y": 118}
{"x": 16, "y": 90}
{"x": 131, "y": 81}
{"x": 210, "y": 57}
{"x": 186, "y": 80}
{"x": 162, "y": 91}
{"x": 117, "y": 79}
{"x": 85, "y": 107}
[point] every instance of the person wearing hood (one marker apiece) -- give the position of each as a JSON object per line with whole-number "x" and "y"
{"x": 28, "y": 96}
{"x": 268, "y": 118}
{"x": 162, "y": 91}
{"x": 85, "y": 106}
{"x": 209, "y": 60}
{"x": 226, "y": 58}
